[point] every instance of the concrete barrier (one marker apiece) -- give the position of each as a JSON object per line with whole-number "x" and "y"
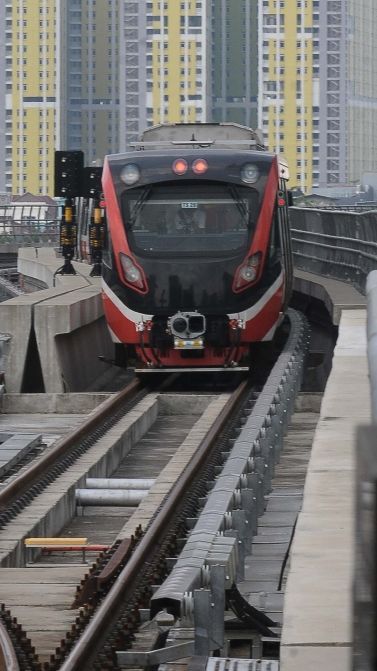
{"x": 38, "y": 266}
{"x": 334, "y": 294}
{"x": 71, "y": 333}
{"x": 57, "y": 334}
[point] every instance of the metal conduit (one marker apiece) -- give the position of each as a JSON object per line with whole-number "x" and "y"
{"x": 118, "y": 483}
{"x": 110, "y": 497}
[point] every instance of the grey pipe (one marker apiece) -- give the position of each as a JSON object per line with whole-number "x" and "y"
{"x": 110, "y": 497}
{"x": 118, "y": 483}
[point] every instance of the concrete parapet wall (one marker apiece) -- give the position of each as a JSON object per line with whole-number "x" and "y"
{"x": 334, "y": 294}
{"x": 334, "y": 243}
{"x": 372, "y": 338}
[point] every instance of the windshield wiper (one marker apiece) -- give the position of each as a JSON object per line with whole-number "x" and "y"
{"x": 137, "y": 207}
{"x": 240, "y": 203}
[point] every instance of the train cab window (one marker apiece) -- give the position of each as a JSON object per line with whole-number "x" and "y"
{"x": 186, "y": 218}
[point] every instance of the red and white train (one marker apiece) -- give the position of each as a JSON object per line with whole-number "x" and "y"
{"x": 197, "y": 265}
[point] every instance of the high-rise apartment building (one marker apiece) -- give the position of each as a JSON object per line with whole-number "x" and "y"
{"x": 288, "y": 91}
{"x": 92, "y": 74}
{"x": 31, "y": 88}
{"x": 90, "y": 82}
{"x": 164, "y": 49}
{"x": 333, "y": 93}
{"x": 348, "y": 90}
{"x": 234, "y": 61}
{"x": 187, "y": 60}
{"x": 60, "y": 86}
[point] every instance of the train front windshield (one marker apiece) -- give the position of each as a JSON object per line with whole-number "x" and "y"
{"x": 190, "y": 219}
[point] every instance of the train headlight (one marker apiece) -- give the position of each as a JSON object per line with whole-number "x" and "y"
{"x": 130, "y": 174}
{"x": 200, "y": 166}
{"x": 180, "y": 166}
{"x": 249, "y": 173}
{"x": 132, "y": 274}
{"x": 248, "y": 272}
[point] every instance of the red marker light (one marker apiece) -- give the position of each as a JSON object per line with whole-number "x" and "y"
{"x": 180, "y": 166}
{"x": 200, "y": 166}
{"x": 102, "y": 203}
{"x": 281, "y": 202}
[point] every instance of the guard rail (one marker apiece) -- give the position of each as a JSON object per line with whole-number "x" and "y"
{"x": 30, "y": 224}
{"x": 336, "y": 244}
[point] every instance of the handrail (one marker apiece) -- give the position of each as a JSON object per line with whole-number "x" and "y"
{"x": 30, "y": 223}
{"x": 339, "y": 244}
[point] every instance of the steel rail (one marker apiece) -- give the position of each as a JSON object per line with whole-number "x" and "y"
{"x": 93, "y": 634}
{"x": 37, "y": 469}
{"x": 8, "y": 657}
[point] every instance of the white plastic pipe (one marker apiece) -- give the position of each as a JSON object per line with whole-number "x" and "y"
{"x": 110, "y": 497}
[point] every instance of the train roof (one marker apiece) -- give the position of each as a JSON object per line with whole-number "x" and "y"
{"x": 146, "y": 154}
{"x": 200, "y": 134}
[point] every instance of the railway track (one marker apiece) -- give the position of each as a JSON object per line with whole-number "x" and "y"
{"x": 139, "y": 554}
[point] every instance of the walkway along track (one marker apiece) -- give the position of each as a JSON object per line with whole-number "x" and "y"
{"x": 245, "y": 479}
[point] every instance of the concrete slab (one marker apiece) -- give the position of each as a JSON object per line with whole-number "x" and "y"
{"x": 52, "y": 403}
{"x": 312, "y": 658}
{"x": 46, "y": 575}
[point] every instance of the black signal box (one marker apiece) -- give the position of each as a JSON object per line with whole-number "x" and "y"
{"x": 92, "y": 184}
{"x": 69, "y": 167}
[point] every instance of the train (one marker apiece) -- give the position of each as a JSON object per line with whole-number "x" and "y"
{"x": 197, "y": 263}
